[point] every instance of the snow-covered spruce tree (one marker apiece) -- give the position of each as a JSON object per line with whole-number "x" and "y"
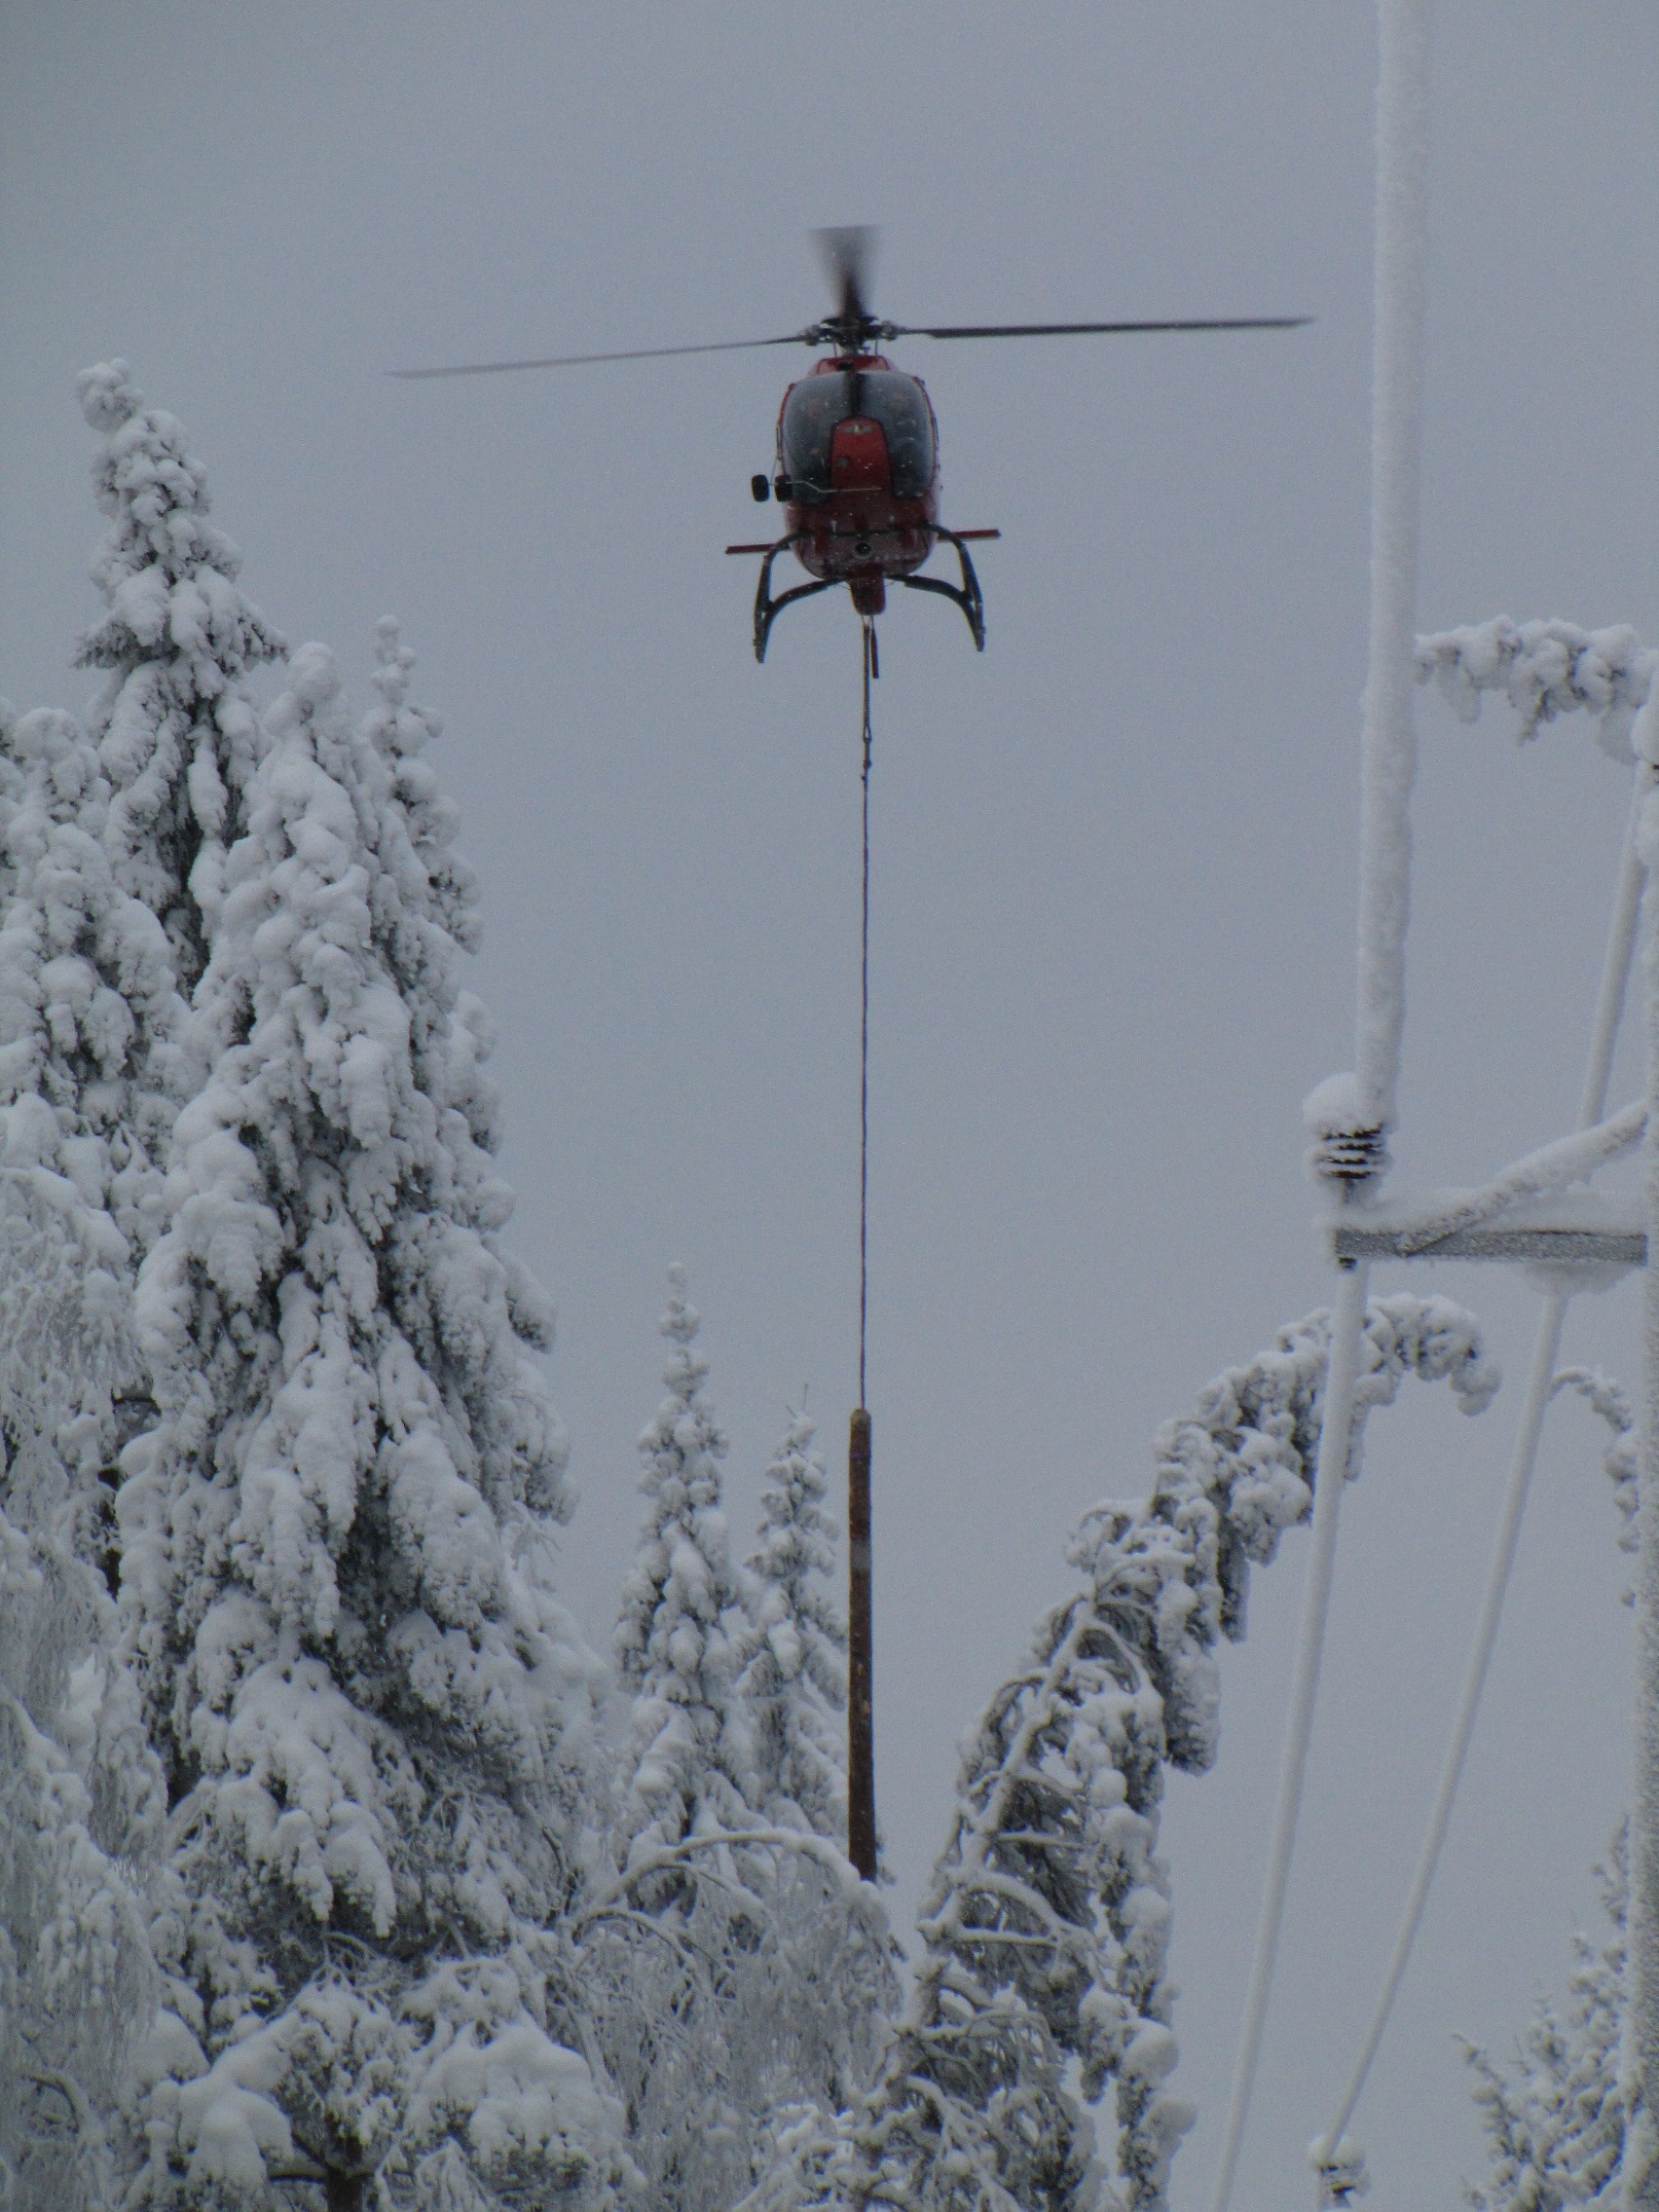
{"x": 87, "y": 1006}
{"x": 1045, "y": 1928}
{"x": 655, "y": 1947}
{"x": 1555, "y": 2121}
{"x": 690, "y": 1765}
{"x": 735, "y": 1969}
{"x": 371, "y": 1711}
{"x": 794, "y": 1674}
{"x": 442, "y": 889}
{"x": 79, "y": 1803}
{"x": 176, "y": 732}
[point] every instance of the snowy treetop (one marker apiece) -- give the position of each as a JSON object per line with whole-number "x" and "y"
{"x": 167, "y": 573}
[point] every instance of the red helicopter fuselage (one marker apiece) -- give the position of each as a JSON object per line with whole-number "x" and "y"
{"x": 857, "y": 476}
{"x": 857, "y": 473}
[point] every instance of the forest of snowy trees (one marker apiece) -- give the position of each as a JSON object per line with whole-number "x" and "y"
{"x": 333, "y": 1864}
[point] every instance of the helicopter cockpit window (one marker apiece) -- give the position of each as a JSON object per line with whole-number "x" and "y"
{"x": 901, "y": 409}
{"x": 818, "y": 403}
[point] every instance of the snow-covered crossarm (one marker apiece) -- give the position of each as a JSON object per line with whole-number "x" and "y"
{"x": 1528, "y": 1212}
{"x": 1544, "y": 669}
{"x": 1045, "y": 1930}
{"x": 1541, "y": 1243}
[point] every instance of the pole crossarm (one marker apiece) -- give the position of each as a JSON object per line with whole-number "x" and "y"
{"x": 1503, "y": 1219}
{"x": 1532, "y": 1244}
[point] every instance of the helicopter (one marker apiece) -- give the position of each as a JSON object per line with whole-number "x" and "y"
{"x": 856, "y": 468}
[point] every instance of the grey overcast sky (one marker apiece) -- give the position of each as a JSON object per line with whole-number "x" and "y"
{"x": 1113, "y": 873}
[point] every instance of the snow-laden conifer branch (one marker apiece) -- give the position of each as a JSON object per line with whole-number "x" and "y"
{"x": 1543, "y": 669}
{"x": 1045, "y": 1931}
{"x": 87, "y": 1008}
{"x": 1605, "y": 1398}
{"x": 1554, "y": 2120}
{"x": 80, "y": 1804}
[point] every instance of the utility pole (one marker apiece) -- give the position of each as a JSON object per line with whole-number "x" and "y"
{"x": 861, "y": 1686}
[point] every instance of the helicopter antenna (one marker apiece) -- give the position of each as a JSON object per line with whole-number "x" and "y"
{"x": 861, "y": 1682}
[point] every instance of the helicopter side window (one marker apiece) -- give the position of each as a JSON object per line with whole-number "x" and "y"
{"x": 901, "y": 406}
{"x": 811, "y": 413}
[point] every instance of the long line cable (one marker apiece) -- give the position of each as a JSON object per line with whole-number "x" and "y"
{"x": 862, "y": 1845}
{"x": 871, "y": 668}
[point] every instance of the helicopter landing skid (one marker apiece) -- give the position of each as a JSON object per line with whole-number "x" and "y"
{"x": 767, "y": 607}
{"x": 967, "y": 594}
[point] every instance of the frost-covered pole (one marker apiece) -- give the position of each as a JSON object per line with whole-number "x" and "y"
{"x": 1641, "y": 2023}
{"x": 1351, "y": 1115}
{"x": 1388, "y": 747}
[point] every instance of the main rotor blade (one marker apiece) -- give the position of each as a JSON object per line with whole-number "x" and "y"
{"x": 583, "y": 360}
{"x": 1079, "y": 329}
{"x": 848, "y": 253}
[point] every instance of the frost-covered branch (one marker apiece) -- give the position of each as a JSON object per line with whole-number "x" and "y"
{"x": 1554, "y": 2120}
{"x": 670, "y": 1856}
{"x": 78, "y": 1815}
{"x": 1607, "y": 1400}
{"x": 1045, "y": 1930}
{"x": 1544, "y": 669}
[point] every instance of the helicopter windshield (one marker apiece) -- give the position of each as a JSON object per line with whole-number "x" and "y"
{"x": 897, "y": 402}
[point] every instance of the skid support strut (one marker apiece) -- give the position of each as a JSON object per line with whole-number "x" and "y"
{"x": 967, "y": 596}
{"x": 767, "y": 607}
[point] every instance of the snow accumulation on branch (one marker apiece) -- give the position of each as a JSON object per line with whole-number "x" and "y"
{"x": 1555, "y": 2122}
{"x": 1046, "y": 1932}
{"x": 88, "y": 1010}
{"x": 80, "y": 1808}
{"x": 1544, "y": 669}
{"x": 1606, "y": 1399}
